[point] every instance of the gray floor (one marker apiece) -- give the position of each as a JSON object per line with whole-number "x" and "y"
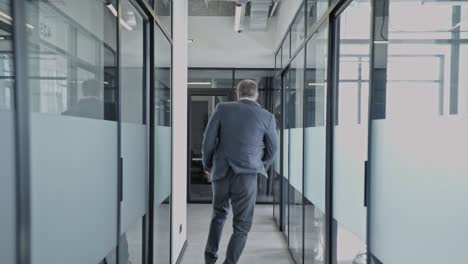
{"x": 265, "y": 245}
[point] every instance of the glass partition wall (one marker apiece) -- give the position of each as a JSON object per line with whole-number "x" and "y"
{"x": 93, "y": 128}
{"x": 371, "y": 154}
{"x": 162, "y": 119}
{"x": 350, "y": 103}
{"x": 418, "y": 133}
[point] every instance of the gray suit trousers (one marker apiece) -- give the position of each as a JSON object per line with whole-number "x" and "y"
{"x": 242, "y": 191}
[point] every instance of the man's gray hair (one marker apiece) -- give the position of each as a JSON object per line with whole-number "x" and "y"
{"x": 247, "y": 88}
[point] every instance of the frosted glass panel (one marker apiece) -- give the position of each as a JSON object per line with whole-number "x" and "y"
{"x": 135, "y": 180}
{"x": 419, "y": 147}
{"x": 134, "y": 136}
{"x": 350, "y": 133}
{"x": 162, "y": 148}
{"x": 163, "y": 164}
{"x": 295, "y": 158}
{"x": 73, "y": 189}
{"x": 314, "y": 188}
{"x": 7, "y": 189}
{"x": 428, "y": 159}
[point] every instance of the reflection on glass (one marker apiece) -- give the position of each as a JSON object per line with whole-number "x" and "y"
{"x": 163, "y": 9}
{"x": 285, "y": 168}
{"x": 132, "y": 64}
{"x": 419, "y": 130}
{"x": 294, "y": 108}
{"x": 315, "y": 10}
{"x": 264, "y": 79}
{"x": 278, "y": 61}
{"x": 7, "y": 139}
{"x": 286, "y": 50}
{"x": 205, "y": 78}
{"x": 315, "y": 92}
{"x": 298, "y": 30}
{"x": 111, "y": 257}
{"x": 74, "y": 63}
{"x": 277, "y": 173}
{"x": 350, "y": 132}
{"x": 6, "y": 59}
{"x": 162, "y": 148}
{"x": 277, "y": 177}
{"x": 133, "y": 134}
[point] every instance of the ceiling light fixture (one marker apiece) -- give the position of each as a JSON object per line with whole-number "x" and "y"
{"x": 190, "y": 40}
{"x": 273, "y": 9}
{"x": 317, "y": 84}
{"x": 381, "y": 42}
{"x": 125, "y": 25}
{"x": 122, "y": 22}
{"x": 237, "y": 19}
{"x": 112, "y": 9}
{"x": 199, "y": 83}
{"x": 6, "y": 21}
{"x": 5, "y": 16}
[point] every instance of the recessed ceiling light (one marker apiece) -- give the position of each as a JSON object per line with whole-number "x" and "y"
{"x": 237, "y": 18}
{"x": 190, "y": 40}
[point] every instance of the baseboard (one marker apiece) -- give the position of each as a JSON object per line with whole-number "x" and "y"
{"x": 182, "y": 252}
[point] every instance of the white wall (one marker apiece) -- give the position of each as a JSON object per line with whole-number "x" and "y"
{"x": 179, "y": 153}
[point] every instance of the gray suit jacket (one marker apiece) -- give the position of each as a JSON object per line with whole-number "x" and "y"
{"x": 241, "y": 136}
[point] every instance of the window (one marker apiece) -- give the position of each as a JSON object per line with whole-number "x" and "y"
{"x": 210, "y": 78}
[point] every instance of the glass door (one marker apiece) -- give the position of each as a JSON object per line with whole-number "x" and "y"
{"x": 201, "y": 106}
{"x": 133, "y": 134}
{"x": 285, "y": 153}
{"x": 294, "y": 116}
{"x": 351, "y": 98}
{"x": 161, "y": 173}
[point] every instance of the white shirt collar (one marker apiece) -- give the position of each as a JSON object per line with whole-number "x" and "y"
{"x": 247, "y": 98}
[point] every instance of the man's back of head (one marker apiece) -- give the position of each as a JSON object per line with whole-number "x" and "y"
{"x": 247, "y": 89}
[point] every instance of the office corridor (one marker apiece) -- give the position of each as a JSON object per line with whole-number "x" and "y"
{"x": 266, "y": 244}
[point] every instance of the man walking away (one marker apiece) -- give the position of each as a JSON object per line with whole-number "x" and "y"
{"x": 239, "y": 142}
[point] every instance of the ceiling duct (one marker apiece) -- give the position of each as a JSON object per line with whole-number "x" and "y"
{"x": 259, "y": 13}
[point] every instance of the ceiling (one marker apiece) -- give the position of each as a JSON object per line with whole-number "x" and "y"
{"x": 225, "y": 7}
